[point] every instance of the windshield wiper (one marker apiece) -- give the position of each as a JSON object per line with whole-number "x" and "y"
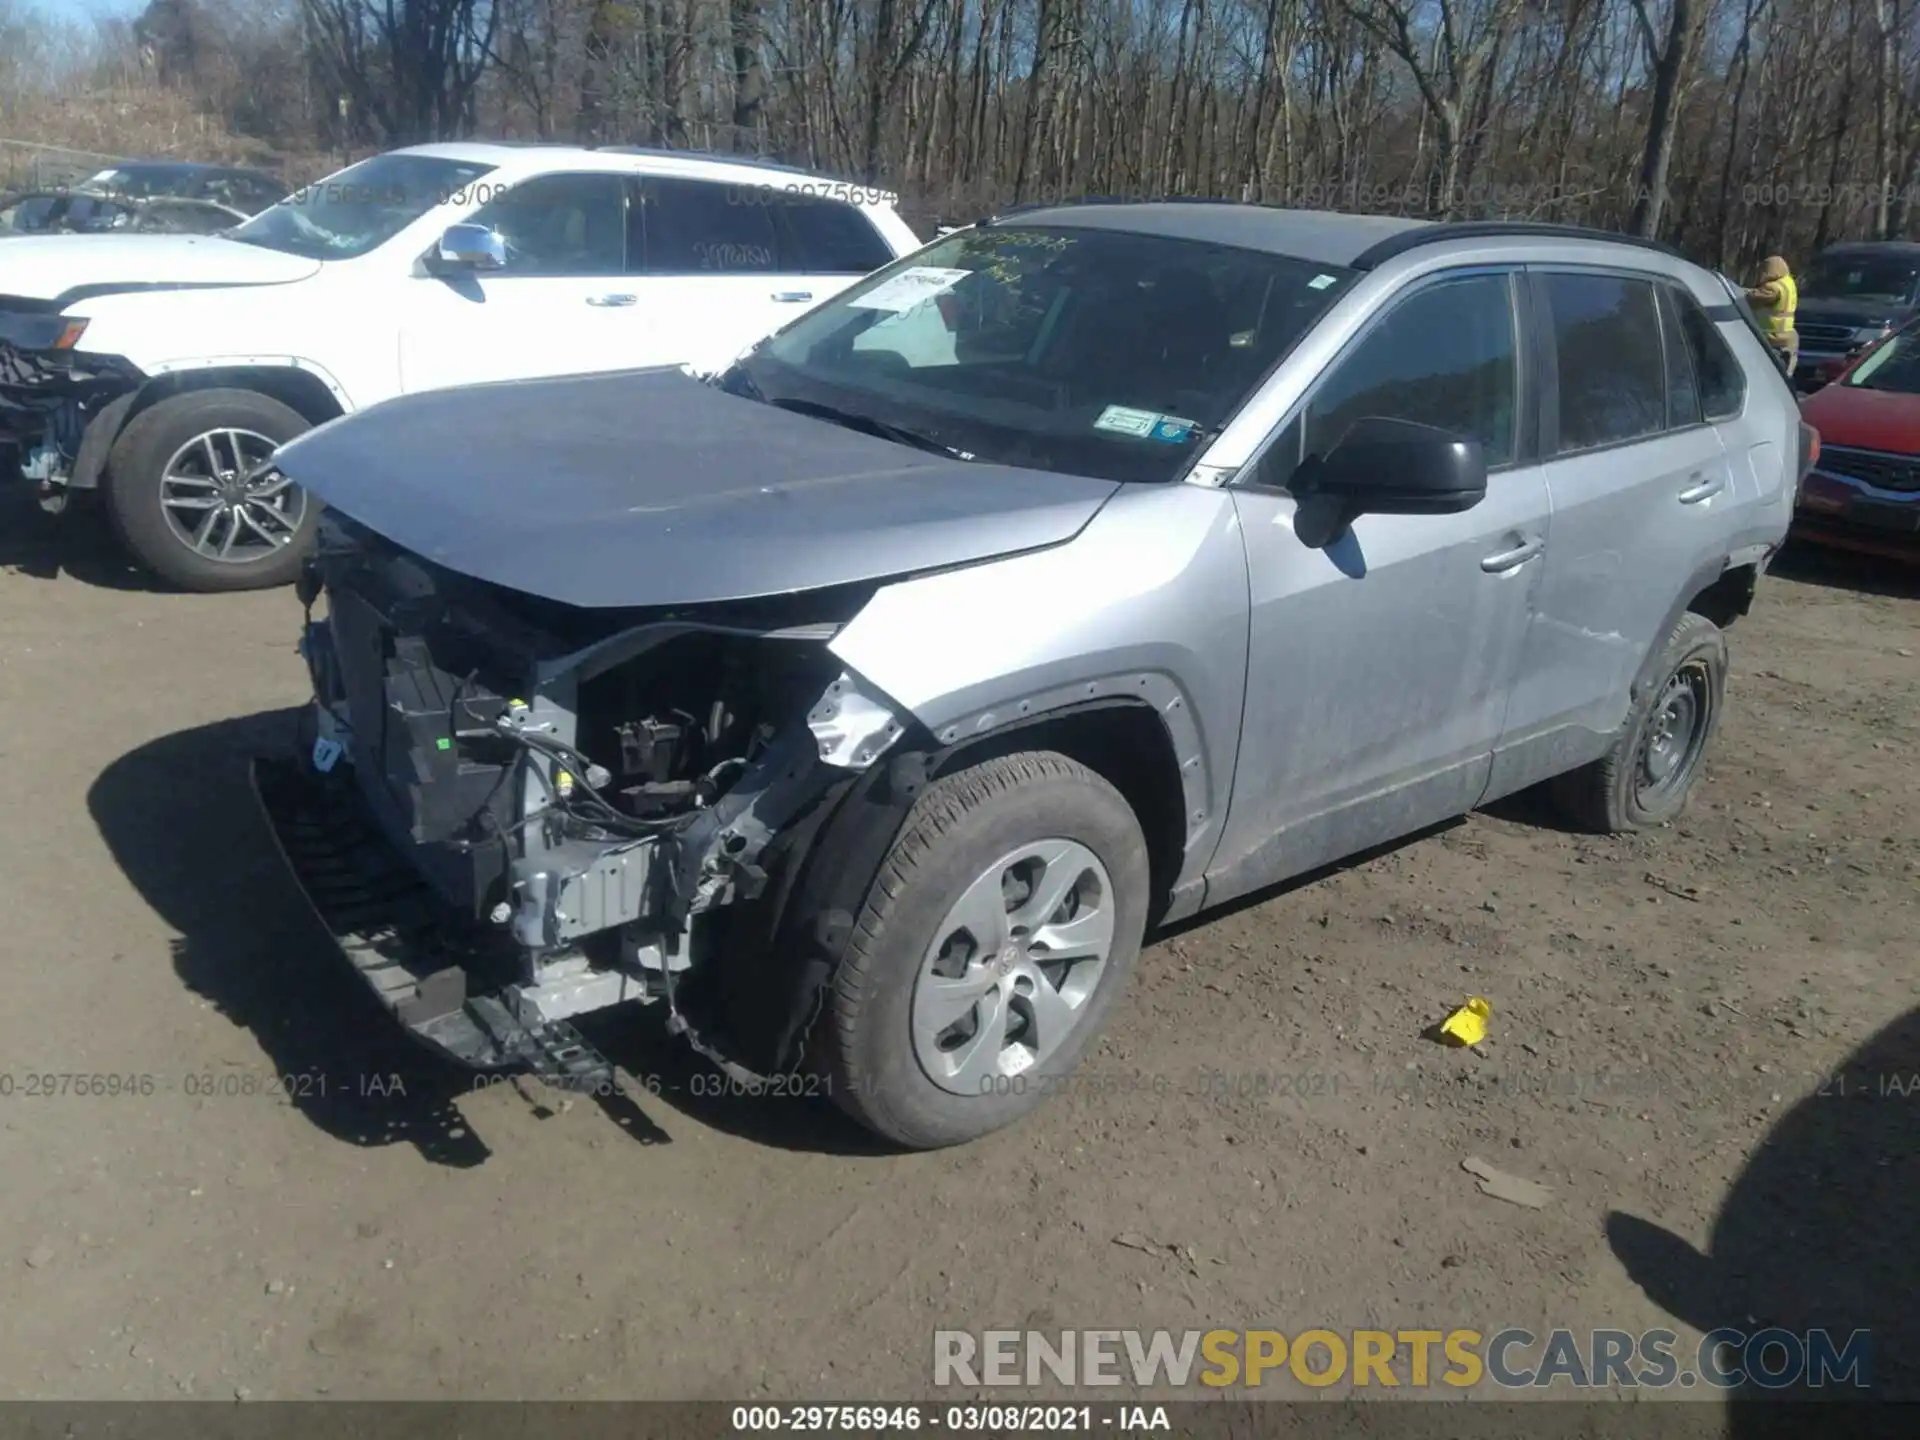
{"x": 885, "y": 429}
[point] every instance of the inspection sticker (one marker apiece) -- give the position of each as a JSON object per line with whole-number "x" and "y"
{"x": 1125, "y": 421}
{"x": 907, "y": 289}
{"x": 1320, "y": 282}
{"x": 1172, "y": 429}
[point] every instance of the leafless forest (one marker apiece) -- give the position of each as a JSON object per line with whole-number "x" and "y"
{"x": 1728, "y": 127}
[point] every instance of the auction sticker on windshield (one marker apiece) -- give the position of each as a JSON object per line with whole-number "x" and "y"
{"x": 1147, "y": 424}
{"x": 1124, "y": 420}
{"x": 909, "y": 288}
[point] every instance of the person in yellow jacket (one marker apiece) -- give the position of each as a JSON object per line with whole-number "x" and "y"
{"x": 1774, "y": 300}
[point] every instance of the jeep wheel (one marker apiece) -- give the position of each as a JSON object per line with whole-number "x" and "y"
{"x": 1000, "y": 927}
{"x": 1644, "y": 780}
{"x": 193, "y": 494}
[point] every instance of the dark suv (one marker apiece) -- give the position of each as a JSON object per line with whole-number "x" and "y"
{"x": 1850, "y": 296}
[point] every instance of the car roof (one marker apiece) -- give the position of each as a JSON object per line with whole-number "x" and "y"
{"x": 1889, "y": 247}
{"x": 633, "y": 159}
{"x": 1323, "y": 237}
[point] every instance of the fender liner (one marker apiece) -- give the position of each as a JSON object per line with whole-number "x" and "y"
{"x": 776, "y": 957}
{"x": 97, "y": 442}
{"x": 1702, "y": 579}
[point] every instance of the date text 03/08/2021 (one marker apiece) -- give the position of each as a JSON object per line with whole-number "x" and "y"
{"x": 222, "y": 1084}
{"x": 1119, "y": 1419}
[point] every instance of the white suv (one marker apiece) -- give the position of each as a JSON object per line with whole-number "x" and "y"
{"x": 164, "y": 370}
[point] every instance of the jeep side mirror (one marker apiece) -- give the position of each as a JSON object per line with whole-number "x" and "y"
{"x": 1397, "y": 467}
{"x": 472, "y": 247}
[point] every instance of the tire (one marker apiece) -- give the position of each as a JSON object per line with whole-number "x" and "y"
{"x": 1621, "y": 791}
{"x": 165, "y": 434}
{"x": 952, "y": 841}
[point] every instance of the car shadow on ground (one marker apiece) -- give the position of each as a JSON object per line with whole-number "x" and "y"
{"x": 1818, "y": 1232}
{"x": 1848, "y": 570}
{"x": 79, "y": 543}
{"x": 179, "y": 816}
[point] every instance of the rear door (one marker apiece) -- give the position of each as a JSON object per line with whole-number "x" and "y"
{"x": 1639, "y": 483}
{"x": 711, "y": 282}
{"x": 726, "y": 264}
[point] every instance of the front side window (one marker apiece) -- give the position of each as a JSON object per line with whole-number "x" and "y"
{"x": 561, "y": 225}
{"x": 1445, "y": 356}
{"x": 1613, "y": 379}
{"x": 1092, "y": 352}
{"x": 359, "y": 208}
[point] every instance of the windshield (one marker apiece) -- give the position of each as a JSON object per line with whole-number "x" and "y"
{"x": 363, "y": 206}
{"x": 1893, "y": 365}
{"x": 1090, "y": 352}
{"x": 145, "y": 181}
{"x": 1883, "y": 279}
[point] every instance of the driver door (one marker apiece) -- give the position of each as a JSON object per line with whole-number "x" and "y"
{"x": 563, "y": 305}
{"x": 1380, "y": 662}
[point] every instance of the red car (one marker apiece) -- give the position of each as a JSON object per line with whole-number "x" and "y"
{"x": 1863, "y": 492}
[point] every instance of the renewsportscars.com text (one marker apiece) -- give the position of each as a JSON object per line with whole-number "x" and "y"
{"x": 1460, "y": 1359}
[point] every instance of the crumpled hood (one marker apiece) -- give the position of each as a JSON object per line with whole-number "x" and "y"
{"x": 647, "y": 487}
{"x": 52, "y": 267}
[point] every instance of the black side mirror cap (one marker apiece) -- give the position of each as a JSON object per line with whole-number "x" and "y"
{"x": 1398, "y": 467}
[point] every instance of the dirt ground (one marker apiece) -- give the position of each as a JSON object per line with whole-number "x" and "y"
{"x": 1691, "y": 1040}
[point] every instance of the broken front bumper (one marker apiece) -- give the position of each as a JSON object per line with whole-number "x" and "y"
{"x": 49, "y": 400}
{"x": 404, "y": 941}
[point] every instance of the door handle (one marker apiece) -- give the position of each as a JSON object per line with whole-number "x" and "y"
{"x": 1513, "y": 559}
{"x": 792, "y": 297}
{"x": 1703, "y": 489}
{"x": 611, "y": 300}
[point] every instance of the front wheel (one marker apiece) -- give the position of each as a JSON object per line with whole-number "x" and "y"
{"x": 996, "y": 935}
{"x": 192, "y": 491}
{"x": 1645, "y": 779}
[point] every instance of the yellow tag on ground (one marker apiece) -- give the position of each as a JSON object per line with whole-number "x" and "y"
{"x": 1468, "y": 1024}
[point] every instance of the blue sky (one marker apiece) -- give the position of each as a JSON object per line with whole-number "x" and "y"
{"x": 85, "y": 9}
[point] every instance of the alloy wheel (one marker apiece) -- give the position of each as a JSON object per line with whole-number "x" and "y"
{"x": 223, "y": 499}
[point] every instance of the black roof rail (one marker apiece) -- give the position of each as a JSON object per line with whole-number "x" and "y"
{"x": 1436, "y": 234}
{"x": 722, "y": 156}
{"x": 1071, "y": 200}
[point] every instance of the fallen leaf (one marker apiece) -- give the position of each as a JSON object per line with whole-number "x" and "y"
{"x": 1502, "y": 1186}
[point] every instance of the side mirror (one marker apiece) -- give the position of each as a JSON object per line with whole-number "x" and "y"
{"x": 472, "y": 247}
{"x": 1397, "y": 467}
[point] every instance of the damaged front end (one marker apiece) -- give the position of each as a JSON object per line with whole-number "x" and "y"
{"x": 50, "y": 395}
{"x": 510, "y": 812}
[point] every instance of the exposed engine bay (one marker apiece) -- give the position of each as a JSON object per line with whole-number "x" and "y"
{"x": 511, "y": 811}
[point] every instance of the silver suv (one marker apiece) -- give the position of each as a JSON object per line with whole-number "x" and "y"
{"x": 866, "y": 703}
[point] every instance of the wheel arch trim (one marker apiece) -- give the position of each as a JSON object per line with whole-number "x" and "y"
{"x": 315, "y": 394}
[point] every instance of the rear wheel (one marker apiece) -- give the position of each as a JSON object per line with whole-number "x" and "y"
{"x": 192, "y": 491}
{"x": 1645, "y": 779}
{"x": 999, "y": 929}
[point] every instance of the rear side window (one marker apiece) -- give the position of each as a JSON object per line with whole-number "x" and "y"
{"x": 697, "y": 227}
{"x": 1723, "y": 385}
{"x": 1606, "y": 338}
{"x": 826, "y": 237}
{"x": 1443, "y": 357}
